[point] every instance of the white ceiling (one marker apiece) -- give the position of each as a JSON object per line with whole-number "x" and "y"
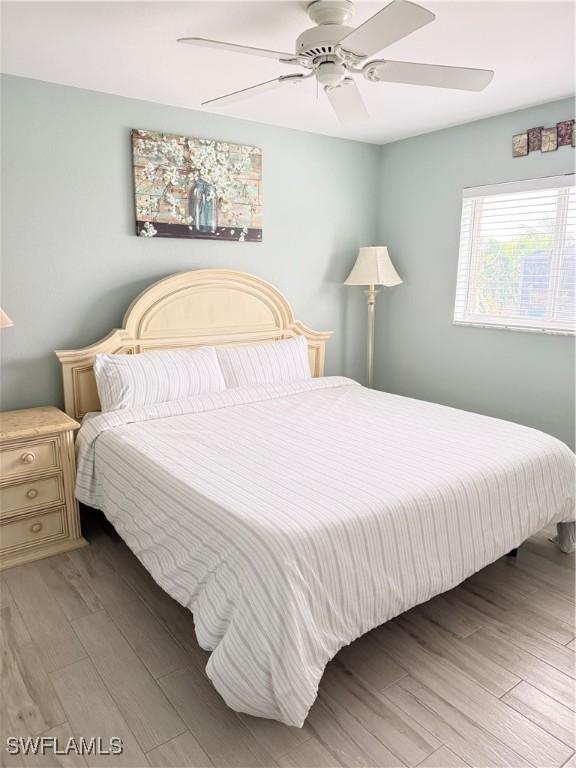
{"x": 129, "y": 48}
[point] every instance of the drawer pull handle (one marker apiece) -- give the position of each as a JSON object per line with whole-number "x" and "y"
{"x": 32, "y": 493}
{"x": 36, "y": 527}
{"x": 28, "y": 458}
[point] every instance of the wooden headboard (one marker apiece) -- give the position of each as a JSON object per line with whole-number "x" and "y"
{"x": 205, "y": 307}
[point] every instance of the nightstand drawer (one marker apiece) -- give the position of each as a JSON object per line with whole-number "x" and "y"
{"x": 28, "y": 457}
{"x": 38, "y": 512}
{"x": 31, "y": 494}
{"x": 33, "y": 530}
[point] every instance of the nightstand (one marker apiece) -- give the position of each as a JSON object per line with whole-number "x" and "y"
{"x": 38, "y": 512}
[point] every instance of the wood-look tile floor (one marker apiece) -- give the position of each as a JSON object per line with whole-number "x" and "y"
{"x": 481, "y": 676}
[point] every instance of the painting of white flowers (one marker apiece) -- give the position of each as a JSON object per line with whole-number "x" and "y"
{"x": 191, "y": 187}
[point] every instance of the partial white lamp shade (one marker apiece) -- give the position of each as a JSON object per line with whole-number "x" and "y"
{"x": 373, "y": 267}
{"x": 5, "y": 321}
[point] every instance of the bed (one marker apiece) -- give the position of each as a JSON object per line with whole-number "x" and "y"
{"x": 291, "y": 518}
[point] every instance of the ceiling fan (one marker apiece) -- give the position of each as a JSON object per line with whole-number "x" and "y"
{"x": 333, "y": 51}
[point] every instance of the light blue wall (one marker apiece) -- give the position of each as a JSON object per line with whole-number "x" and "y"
{"x": 71, "y": 261}
{"x": 524, "y": 377}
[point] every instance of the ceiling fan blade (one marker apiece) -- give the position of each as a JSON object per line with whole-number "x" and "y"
{"x": 253, "y": 90}
{"x": 461, "y": 78}
{"x": 203, "y": 42}
{"x": 347, "y": 102}
{"x": 392, "y": 23}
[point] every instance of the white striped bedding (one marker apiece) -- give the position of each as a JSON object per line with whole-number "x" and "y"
{"x": 292, "y": 518}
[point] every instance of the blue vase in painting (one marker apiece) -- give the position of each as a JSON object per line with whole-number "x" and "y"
{"x": 203, "y": 206}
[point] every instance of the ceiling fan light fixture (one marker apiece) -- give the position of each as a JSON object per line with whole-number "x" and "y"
{"x": 330, "y": 73}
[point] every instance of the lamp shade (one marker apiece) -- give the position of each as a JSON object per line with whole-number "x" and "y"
{"x": 5, "y": 321}
{"x": 373, "y": 267}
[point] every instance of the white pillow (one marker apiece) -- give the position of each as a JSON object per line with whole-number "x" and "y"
{"x": 268, "y": 363}
{"x": 126, "y": 381}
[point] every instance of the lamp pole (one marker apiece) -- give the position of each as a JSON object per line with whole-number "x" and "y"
{"x": 371, "y": 293}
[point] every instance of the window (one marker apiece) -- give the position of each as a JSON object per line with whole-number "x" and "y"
{"x": 517, "y": 262}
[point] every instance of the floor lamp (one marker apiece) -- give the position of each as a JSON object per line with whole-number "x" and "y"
{"x": 373, "y": 267}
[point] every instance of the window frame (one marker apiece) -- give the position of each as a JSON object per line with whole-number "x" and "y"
{"x": 468, "y": 246}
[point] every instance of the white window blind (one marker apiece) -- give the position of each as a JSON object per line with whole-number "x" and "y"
{"x": 517, "y": 260}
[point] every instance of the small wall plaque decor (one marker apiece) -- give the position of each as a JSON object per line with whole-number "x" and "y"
{"x": 541, "y": 139}
{"x": 520, "y": 145}
{"x": 565, "y": 129}
{"x": 197, "y": 188}
{"x": 535, "y": 139}
{"x": 549, "y": 139}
